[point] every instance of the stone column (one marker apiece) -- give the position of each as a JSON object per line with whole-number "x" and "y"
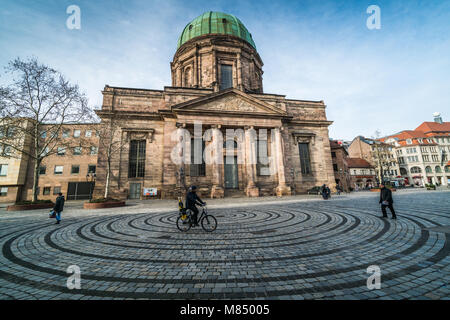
{"x": 282, "y": 189}
{"x": 217, "y": 190}
{"x": 250, "y": 162}
{"x": 215, "y": 76}
{"x": 239, "y": 73}
{"x": 178, "y": 81}
{"x": 181, "y": 167}
{"x": 195, "y": 84}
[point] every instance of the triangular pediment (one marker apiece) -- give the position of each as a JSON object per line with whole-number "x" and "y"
{"x": 229, "y": 101}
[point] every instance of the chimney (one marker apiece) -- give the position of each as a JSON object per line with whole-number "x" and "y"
{"x": 437, "y": 117}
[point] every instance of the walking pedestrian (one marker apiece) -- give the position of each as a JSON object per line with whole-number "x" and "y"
{"x": 59, "y": 206}
{"x": 386, "y": 201}
{"x": 328, "y": 192}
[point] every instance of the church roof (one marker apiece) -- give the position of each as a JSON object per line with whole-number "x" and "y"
{"x": 215, "y": 23}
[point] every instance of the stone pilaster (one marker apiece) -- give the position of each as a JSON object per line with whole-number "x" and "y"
{"x": 217, "y": 190}
{"x": 250, "y": 162}
{"x": 282, "y": 189}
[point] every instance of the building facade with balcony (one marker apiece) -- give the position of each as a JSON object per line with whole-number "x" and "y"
{"x": 423, "y": 153}
{"x": 380, "y": 155}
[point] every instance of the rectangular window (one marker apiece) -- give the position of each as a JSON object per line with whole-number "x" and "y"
{"x": 61, "y": 151}
{"x": 94, "y": 150}
{"x": 92, "y": 168}
{"x": 7, "y": 151}
{"x": 335, "y": 167}
{"x": 46, "y": 191}
{"x": 76, "y": 133}
{"x": 42, "y": 169}
{"x": 77, "y": 151}
{"x": 65, "y": 133}
{"x": 263, "y": 158}
{"x": 43, "y": 134}
{"x": 59, "y": 169}
{"x": 136, "y": 167}
{"x": 10, "y": 132}
{"x": 56, "y": 190}
{"x": 75, "y": 169}
{"x": 226, "y": 76}
{"x": 88, "y": 133}
{"x": 333, "y": 154}
{"x": 197, "y": 169}
{"x": 3, "y": 170}
{"x": 3, "y": 191}
{"x": 305, "y": 161}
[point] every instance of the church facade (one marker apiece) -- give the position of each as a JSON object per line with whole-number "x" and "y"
{"x": 214, "y": 127}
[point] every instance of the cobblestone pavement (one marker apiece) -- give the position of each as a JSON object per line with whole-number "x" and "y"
{"x": 309, "y": 249}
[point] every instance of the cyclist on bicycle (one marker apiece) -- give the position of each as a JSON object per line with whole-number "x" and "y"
{"x": 191, "y": 200}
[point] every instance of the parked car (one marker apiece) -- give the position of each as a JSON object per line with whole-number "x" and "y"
{"x": 314, "y": 190}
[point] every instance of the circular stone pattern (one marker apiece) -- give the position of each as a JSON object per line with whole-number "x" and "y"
{"x": 298, "y": 250}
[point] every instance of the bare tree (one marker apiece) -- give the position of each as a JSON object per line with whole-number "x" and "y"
{"x": 109, "y": 144}
{"x": 34, "y": 109}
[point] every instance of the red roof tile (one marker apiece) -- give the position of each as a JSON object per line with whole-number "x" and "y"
{"x": 434, "y": 127}
{"x": 358, "y": 163}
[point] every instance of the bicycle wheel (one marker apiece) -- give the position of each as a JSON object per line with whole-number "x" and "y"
{"x": 209, "y": 223}
{"x": 183, "y": 225}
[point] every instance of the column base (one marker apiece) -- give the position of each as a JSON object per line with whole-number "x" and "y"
{"x": 252, "y": 191}
{"x": 283, "y": 191}
{"x": 217, "y": 192}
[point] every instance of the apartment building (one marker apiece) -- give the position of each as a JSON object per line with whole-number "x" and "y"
{"x": 381, "y": 156}
{"x": 339, "y": 156}
{"x": 423, "y": 153}
{"x": 70, "y": 170}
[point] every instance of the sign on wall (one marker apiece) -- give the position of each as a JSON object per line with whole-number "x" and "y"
{"x": 150, "y": 191}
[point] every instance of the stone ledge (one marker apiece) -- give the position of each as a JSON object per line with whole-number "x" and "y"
{"x": 20, "y": 207}
{"x": 101, "y": 205}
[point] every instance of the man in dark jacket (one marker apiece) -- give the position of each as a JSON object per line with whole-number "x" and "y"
{"x": 323, "y": 191}
{"x": 59, "y": 206}
{"x": 386, "y": 201}
{"x": 191, "y": 200}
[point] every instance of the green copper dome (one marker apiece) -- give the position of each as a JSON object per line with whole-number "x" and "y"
{"x": 215, "y": 23}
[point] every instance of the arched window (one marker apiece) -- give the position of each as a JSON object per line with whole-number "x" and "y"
{"x": 416, "y": 170}
{"x": 428, "y": 169}
{"x": 438, "y": 169}
{"x": 188, "y": 77}
{"x": 403, "y": 172}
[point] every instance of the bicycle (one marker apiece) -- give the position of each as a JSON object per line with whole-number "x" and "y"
{"x": 207, "y": 221}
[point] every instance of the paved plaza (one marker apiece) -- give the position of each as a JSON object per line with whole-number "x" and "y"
{"x": 293, "y": 248}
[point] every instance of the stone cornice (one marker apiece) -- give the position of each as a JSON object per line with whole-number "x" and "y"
{"x": 107, "y": 114}
{"x": 311, "y": 123}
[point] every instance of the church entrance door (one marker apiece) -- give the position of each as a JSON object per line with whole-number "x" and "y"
{"x": 231, "y": 173}
{"x": 135, "y": 191}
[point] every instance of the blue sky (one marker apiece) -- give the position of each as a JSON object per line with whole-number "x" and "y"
{"x": 389, "y": 79}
